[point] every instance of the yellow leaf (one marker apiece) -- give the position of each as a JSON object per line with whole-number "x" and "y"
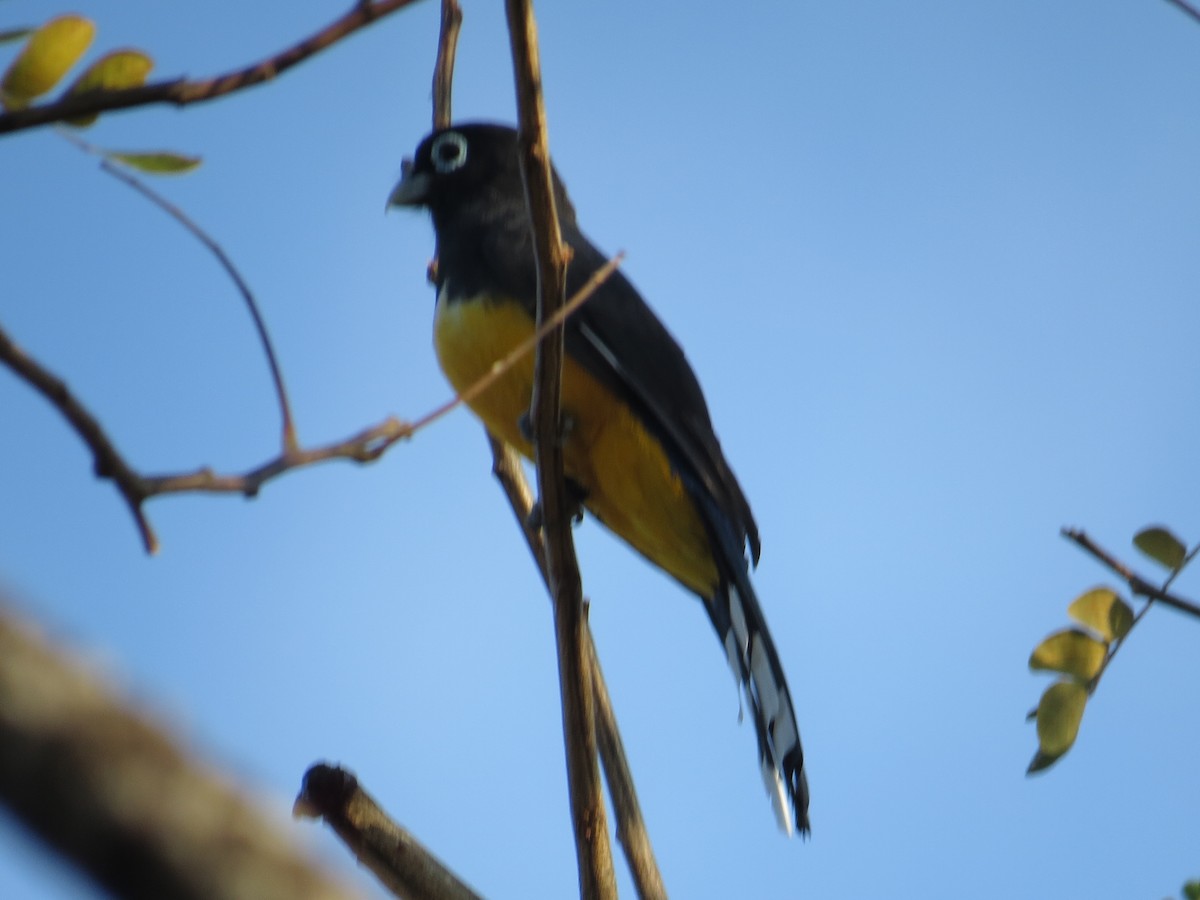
{"x": 48, "y": 55}
{"x": 160, "y": 163}
{"x": 1059, "y": 714}
{"x": 1161, "y": 546}
{"x": 1101, "y": 610}
{"x": 113, "y": 71}
{"x": 1071, "y": 651}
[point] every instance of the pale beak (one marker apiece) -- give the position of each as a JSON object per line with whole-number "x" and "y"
{"x": 412, "y": 189}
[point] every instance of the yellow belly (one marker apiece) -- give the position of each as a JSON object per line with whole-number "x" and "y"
{"x": 628, "y": 480}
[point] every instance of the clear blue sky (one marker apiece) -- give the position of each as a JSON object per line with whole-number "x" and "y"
{"x": 936, "y": 264}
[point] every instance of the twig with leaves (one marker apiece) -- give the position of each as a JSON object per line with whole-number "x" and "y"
{"x": 1080, "y": 656}
{"x": 596, "y": 876}
{"x": 183, "y": 91}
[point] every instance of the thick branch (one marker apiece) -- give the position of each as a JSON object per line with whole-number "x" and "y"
{"x": 397, "y": 859}
{"x": 182, "y": 91}
{"x": 1137, "y": 584}
{"x": 109, "y": 791}
{"x": 583, "y": 774}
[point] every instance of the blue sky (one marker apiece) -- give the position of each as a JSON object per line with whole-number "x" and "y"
{"x": 936, "y": 265}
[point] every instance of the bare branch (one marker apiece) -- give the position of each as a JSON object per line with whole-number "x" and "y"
{"x": 397, "y": 859}
{"x": 108, "y": 463}
{"x": 596, "y": 875}
{"x": 443, "y": 70}
{"x": 135, "y": 488}
{"x": 631, "y": 827}
{"x": 366, "y": 446}
{"x": 289, "y": 439}
{"x": 182, "y": 91}
{"x": 1137, "y": 584}
{"x": 107, "y": 789}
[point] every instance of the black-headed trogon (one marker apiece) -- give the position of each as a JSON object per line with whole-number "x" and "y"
{"x": 640, "y": 447}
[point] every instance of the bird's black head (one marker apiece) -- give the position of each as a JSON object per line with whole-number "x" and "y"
{"x": 461, "y": 166}
{"x": 468, "y": 171}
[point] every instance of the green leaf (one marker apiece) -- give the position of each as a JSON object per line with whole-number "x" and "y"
{"x": 1041, "y": 761}
{"x": 113, "y": 71}
{"x": 1101, "y": 610}
{"x": 14, "y": 34}
{"x": 1161, "y": 546}
{"x": 1072, "y": 652}
{"x": 48, "y": 55}
{"x": 1059, "y": 714}
{"x": 160, "y": 163}
{"x": 1191, "y": 890}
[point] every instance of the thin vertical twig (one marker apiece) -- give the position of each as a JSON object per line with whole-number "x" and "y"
{"x": 443, "y": 70}
{"x": 596, "y": 877}
{"x": 631, "y": 827}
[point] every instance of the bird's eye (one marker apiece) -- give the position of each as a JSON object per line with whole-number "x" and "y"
{"x": 449, "y": 151}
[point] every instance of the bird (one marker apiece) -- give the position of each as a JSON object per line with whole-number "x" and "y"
{"x": 639, "y": 447}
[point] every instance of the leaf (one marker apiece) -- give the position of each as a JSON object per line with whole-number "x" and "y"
{"x": 1191, "y": 890}
{"x": 1161, "y": 546}
{"x": 14, "y": 34}
{"x": 1040, "y": 762}
{"x": 113, "y": 71}
{"x": 1072, "y": 652}
{"x": 1101, "y": 610}
{"x": 48, "y": 55}
{"x": 1059, "y": 714}
{"x": 161, "y": 163}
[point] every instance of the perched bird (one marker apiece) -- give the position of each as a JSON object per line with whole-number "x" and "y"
{"x": 639, "y": 446}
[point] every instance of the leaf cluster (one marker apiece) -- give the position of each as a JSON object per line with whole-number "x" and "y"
{"x": 1080, "y": 654}
{"x": 50, "y": 51}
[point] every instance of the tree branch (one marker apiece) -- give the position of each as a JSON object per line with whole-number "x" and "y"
{"x": 596, "y": 875}
{"x": 631, "y": 827}
{"x": 108, "y": 790}
{"x": 400, "y": 862}
{"x": 443, "y": 69}
{"x": 182, "y": 91}
{"x": 288, "y": 426}
{"x": 1137, "y": 584}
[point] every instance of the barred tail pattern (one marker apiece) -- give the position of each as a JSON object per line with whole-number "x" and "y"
{"x": 755, "y": 663}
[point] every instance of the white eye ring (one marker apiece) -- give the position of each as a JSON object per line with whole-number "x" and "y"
{"x": 449, "y": 152}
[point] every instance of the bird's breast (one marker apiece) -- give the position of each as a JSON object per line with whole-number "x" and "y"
{"x": 629, "y": 482}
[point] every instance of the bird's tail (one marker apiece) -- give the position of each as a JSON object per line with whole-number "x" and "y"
{"x": 742, "y": 629}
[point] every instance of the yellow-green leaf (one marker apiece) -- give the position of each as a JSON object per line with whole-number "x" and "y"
{"x": 1101, "y": 610}
{"x": 14, "y": 34}
{"x": 113, "y": 71}
{"x": 1059, "y": 714}
{"x": 48, "y": 55}
{"x": 1161, "y": 546}
{"x": 160, "y": 163}
{"x": 1071, "y": 651}
{"x": 1041, "y": 761}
